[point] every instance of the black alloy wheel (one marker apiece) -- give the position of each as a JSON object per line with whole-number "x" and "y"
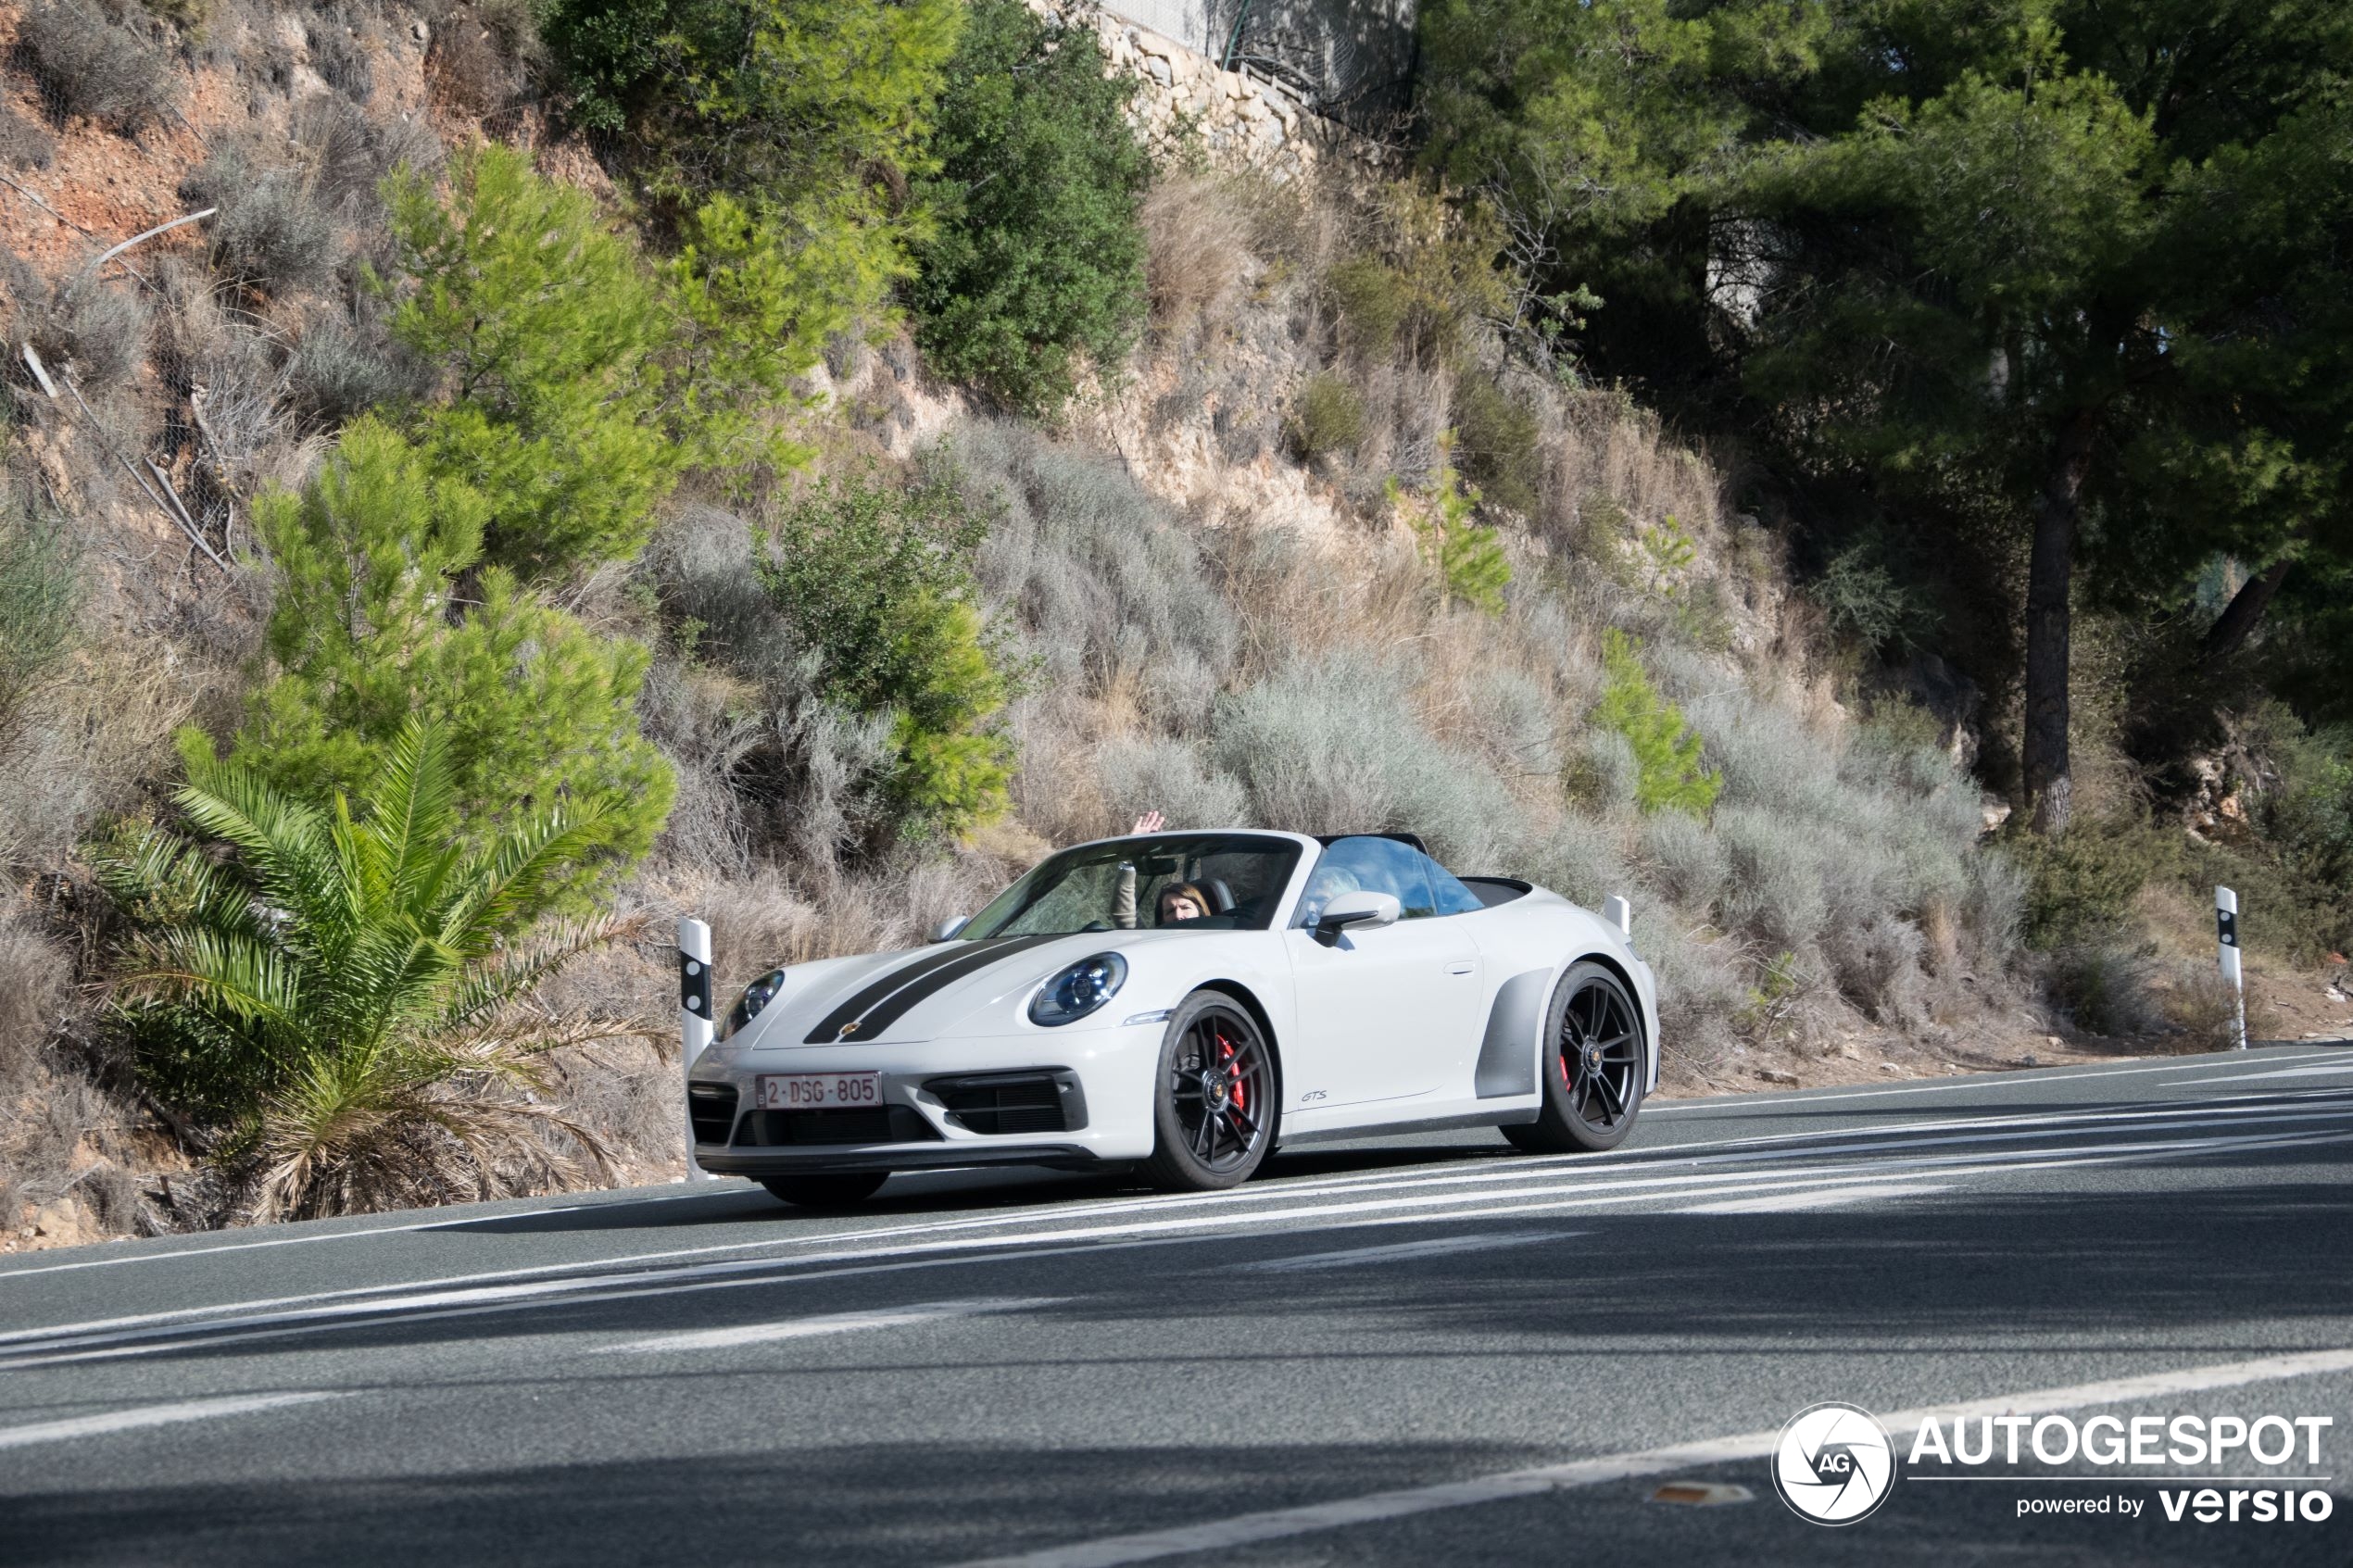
{"x": 1213, "y": 1103}
{"x": 838, "y": 1190}
{"x": 1593, "y": 1066}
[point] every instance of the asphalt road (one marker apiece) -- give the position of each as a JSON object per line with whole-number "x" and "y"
{"x": 1414, "y": 1351}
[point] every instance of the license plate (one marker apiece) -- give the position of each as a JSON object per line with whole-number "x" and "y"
{"x": 819, "y": 1091}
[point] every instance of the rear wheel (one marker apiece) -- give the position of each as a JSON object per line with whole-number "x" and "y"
{"x": 1592, "y": 1069}
{"x": 826, "y": 1191}
{"x": 1212, "y": 1097}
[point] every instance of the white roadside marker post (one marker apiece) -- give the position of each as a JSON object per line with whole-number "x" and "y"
{"x": 2226, "y": 937}
{"x": 694, "y": 1017}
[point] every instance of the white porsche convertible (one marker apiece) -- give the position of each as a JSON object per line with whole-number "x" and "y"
{"x": 1183, "y": 1002}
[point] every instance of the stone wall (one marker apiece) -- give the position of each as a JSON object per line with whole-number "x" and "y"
{"x": 1350, "y": 60}
{"x": 1237, "y": 118}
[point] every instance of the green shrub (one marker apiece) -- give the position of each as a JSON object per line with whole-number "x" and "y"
{"x": 1667, "y": 752}
{"x": 815, "y": 114}
{"x": 1863, "y": 598}
{"x": 2102, "y": 983}
{"x": 552, "y": 334}
{"x": 1496, "y": 444}
{"x": 2081, "y": 885}
{"x": 334, "y": 992}
{"x": 1371, "y": 299}
{"x": 1427, "y": 272}
{"x": 374, "y": 557}
{"x": 1038, "y": 257}
{"x": 879, "y": 580}
{"x": 1472, "y": 567}
{"x": 1329, "y": 417}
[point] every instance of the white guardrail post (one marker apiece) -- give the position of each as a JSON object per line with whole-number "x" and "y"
{"x": 2226, "y": 937}
{"x": 694, "y": 1017}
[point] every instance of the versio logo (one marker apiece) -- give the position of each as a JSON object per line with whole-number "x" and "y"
{"x": 1834, "y": 1463}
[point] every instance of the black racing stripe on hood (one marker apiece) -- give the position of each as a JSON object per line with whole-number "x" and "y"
{"x": 907, "y": 997}
{"x": 829, "y": 1029}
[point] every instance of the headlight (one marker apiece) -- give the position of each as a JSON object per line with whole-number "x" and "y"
{"x": 757, "y": 994}
{"x": 1079, "y": 989}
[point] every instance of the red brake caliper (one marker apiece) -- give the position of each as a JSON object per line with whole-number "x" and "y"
{"x": 1233, "y": 1072}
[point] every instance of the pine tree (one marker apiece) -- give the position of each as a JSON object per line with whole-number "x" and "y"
{"x": 386, "y": 616}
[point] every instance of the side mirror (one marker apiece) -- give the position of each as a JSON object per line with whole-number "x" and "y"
{"x": 1358, "y": 908}
{"x": 946, "y": 930}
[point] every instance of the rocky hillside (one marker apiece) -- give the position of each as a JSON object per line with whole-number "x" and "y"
{"x": 1323, "y": 546}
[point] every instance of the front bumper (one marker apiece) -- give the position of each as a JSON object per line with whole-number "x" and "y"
{"x": 1046, "y": 1098}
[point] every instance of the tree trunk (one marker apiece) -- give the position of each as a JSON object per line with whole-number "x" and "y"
{"x": 2049, "y": 575}
{"x": 2239, "y": 617}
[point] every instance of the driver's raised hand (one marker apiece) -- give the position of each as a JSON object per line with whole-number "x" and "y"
{"x": 1150, "y": 821}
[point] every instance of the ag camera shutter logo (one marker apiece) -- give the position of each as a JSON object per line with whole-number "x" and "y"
{"x": 1834, "y": 1463}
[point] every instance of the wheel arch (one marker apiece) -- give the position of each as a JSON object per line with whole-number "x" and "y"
{"x": 1624, "y": 977}
{"x": 1248, "y": 1000}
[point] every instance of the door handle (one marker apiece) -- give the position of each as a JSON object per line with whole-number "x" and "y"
{"x": 1460, "y": 966}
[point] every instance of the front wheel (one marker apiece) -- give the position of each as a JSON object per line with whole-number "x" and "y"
{"x": 1593, "y": 1066}
{"x": 1214, "y": 1097}
{"x": 826, "y": 1191}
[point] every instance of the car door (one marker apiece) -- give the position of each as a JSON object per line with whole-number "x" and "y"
{"x": 1385, "y": 1013}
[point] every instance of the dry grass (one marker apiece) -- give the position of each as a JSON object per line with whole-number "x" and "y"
{"x": 1199, "y": 238}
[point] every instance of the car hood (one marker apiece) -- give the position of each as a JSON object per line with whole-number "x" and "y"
{"x": 925, "y": 993}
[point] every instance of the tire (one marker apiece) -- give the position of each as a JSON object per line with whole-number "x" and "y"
{"x": 826, "y": 1191}
{"x": 1216, "y": 1098}
{"x": 1592, "y": 1067}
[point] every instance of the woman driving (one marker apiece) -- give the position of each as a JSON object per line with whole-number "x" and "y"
{"x": 1177, "y": 902}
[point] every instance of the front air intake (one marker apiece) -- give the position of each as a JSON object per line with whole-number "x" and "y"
{"x": 999, "y": 1104}
{"x": 710, "y": 1109}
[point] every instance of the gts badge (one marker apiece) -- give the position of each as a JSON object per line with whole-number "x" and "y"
{"x": 1311, "y": 1097}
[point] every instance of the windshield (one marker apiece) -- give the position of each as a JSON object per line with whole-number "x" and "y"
{"x": 1194, "y": 882}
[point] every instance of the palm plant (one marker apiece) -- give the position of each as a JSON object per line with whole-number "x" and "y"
{"x": 338, "y": 999}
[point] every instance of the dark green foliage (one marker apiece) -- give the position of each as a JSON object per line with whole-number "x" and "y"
{"x": 1495, "y": 444}
{"x": 1038, "y": 257}
{"x": 1370, "y": 297}
{"x": 1329, "y": 417}
{"x": 328, "y": 987}
{"x": 375, "y": 558}
{"x": 879, "y": 580}
{"x": 814, "y": 114}
{"x": 2081, "y": 885}
{"x": 1863, "y": 599}
{"x": 2026, "y": 270}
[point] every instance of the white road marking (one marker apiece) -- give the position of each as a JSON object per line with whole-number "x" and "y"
{"x": 61, "y": 1343}
{"x": 2330, "y": 1069}
{"x": 1728, "y": 1105}
{"x": 1256, "y": 1205}
{"x": 1248, "y": 1529}
{"x": 1486, "y": 1241}
{"x": 440, "y": 1222}
{"x": 1737, "y": 1104}
{"x": 835, "y": 1322}
{"x": 152, "y": 1415}
{"x": 1828, "y": 1198}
